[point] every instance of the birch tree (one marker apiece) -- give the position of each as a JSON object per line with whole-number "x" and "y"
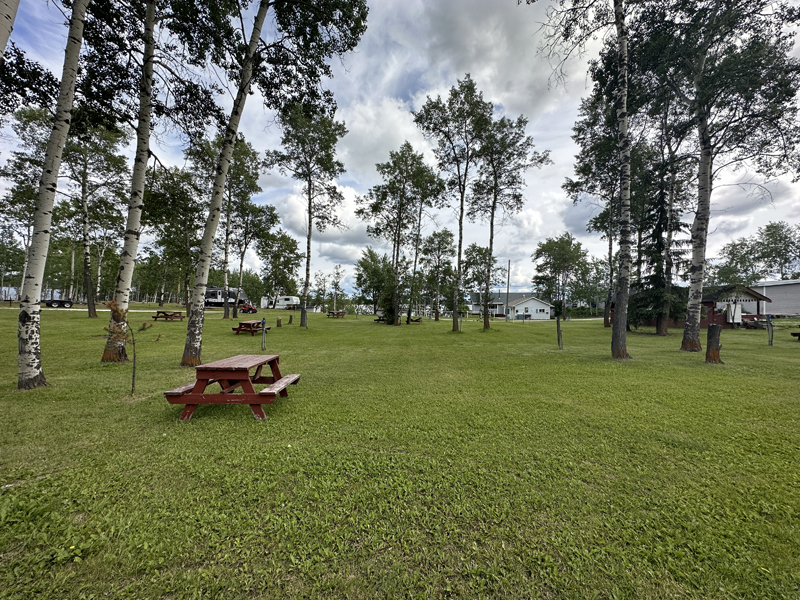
{"x": 437, "y": 251}
{"x": 571, "y": 24}
{"x": 505, "y": 154}
{"x": 30, "y": 372}
{"x": 729, "y": 64}
{"x": 164, "y": 42}
{"x": 309, "y": 156}
{"x": 456, "y": 126}
{"x": 287, "y": 68}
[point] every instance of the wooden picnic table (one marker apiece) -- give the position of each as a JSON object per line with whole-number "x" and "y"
{"x": 168, "y": 315}
{"x": 336, "y": 314}
{"x": 253, "y": 327}
{"x": 232, "y": 374}
{"x": 381, "y": 319}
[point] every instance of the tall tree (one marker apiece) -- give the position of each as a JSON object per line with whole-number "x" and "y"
{"x": 163, "y": 42}
{"x": 97, "y": 174}
{"x": 505, "y": 154}
{"x": 287, "y": 70}
{"x": 309, "y": 155}
{"x": 779, "y": 249}
{"x": 456, "y": 126}
{"x": 280, "y": 260}
{"x": 437, "y": 251}
{"x": 729, "y": 65}
{"x": 251, "y": 222}
{"x": 570, "y": 25}
{"x": 372, "y": 273}
{"x": 559, "y": 261}
{"x": 395, "y": 208}
{"x": 30, "y": 373}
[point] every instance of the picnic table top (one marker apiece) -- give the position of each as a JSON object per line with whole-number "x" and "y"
{"x": 239, "y": 362}
{"x": 251, "y": 322}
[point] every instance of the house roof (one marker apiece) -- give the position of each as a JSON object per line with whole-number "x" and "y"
{"x": 723, "y": 294}
{"x": 778, "y": 282}
{"x": 519, "y": 301}
{"x": 500, "y": 297}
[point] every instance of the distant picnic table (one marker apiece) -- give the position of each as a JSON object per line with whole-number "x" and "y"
{"x": 231, "y": 374}
{"x": 336, "y": 314}
{"x": 381, "y": 319}
{"x": 168, "y": 315}
{"x": 253, "y": 327}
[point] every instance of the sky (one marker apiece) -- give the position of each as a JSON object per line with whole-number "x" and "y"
{"x": 415, "y": 49}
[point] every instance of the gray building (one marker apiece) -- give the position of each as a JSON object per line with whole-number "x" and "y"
{"x": 785, "y": 296}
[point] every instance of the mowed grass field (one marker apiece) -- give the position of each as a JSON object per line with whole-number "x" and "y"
{"x": 409, "y": 462}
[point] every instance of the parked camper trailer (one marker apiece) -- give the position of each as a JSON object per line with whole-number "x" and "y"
{"x": 281, "y": 302}
{"x": 216, "y": 297}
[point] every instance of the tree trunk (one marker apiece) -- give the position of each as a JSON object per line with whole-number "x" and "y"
{"x": 226, "y": 310}
{"x": 438, "y": 294}
{"x": 30, "y": 374}
{"x": 663, "y": 326}
{"x": 304, "y": 309}
{"x": 489, "y": 265}
{"x": 619, "y": 347}
{"x": 163, "y": 284}
{"x": 417, "y": 240}
{"x": 87, "y": 246}
{"x": 239, "y": 287}
{"x": 8, "y": 13}
{"x": 114, "y": 350}
{"x": 457, "y": 283}
{"x": 72, "y": 272}
{"x": 194, "y": 333}
{"x": 101, "y": 255}
{"x": 691, "y": 329}
{"x": 558, "y": 330}
{"x": 713, "y": 346}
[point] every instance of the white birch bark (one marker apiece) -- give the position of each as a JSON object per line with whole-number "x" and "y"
{"x": 30, "y": 373}
{"x": 619, "y": 347}
{"x": 114, "y": 350}
{"x": 194, "y": 329}
{"x": 8, "y": 13}
{"x": 691, "y": 328}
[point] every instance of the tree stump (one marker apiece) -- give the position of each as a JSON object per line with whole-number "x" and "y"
{"x": 713, "y": 346}
{"x": 290, "y": 319}
{"x": 279, "y": 322}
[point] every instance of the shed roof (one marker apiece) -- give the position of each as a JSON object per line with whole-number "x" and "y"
{"x": 728, "y": 292}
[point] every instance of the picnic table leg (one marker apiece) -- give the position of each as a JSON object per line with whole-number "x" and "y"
{"x": 258, "y": 412}
{"x": 188, "y": 411}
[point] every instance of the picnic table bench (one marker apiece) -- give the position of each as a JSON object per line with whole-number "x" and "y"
{"x": 336, "y": 314}
{"x": 168, "y": 315}
{"x": 796, "y": 334}
{"x": 253, "y": 327}
{"x": 231, "y": 374}
{"x": 417, "y": 320}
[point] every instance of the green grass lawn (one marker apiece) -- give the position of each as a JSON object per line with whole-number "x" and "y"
{"x": 408, "y": 462}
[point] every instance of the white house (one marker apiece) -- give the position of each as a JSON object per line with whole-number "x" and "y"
{"x": 523, "y": 309}
{"x": 785, "y": 296}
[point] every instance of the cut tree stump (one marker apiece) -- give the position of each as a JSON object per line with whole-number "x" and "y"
{"x": 279, "y": 322}
{"x": 713, "y": 346}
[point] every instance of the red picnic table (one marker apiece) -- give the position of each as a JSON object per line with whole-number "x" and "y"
{"x": 231, "y": 374}
{"x": 253, "y": 327}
